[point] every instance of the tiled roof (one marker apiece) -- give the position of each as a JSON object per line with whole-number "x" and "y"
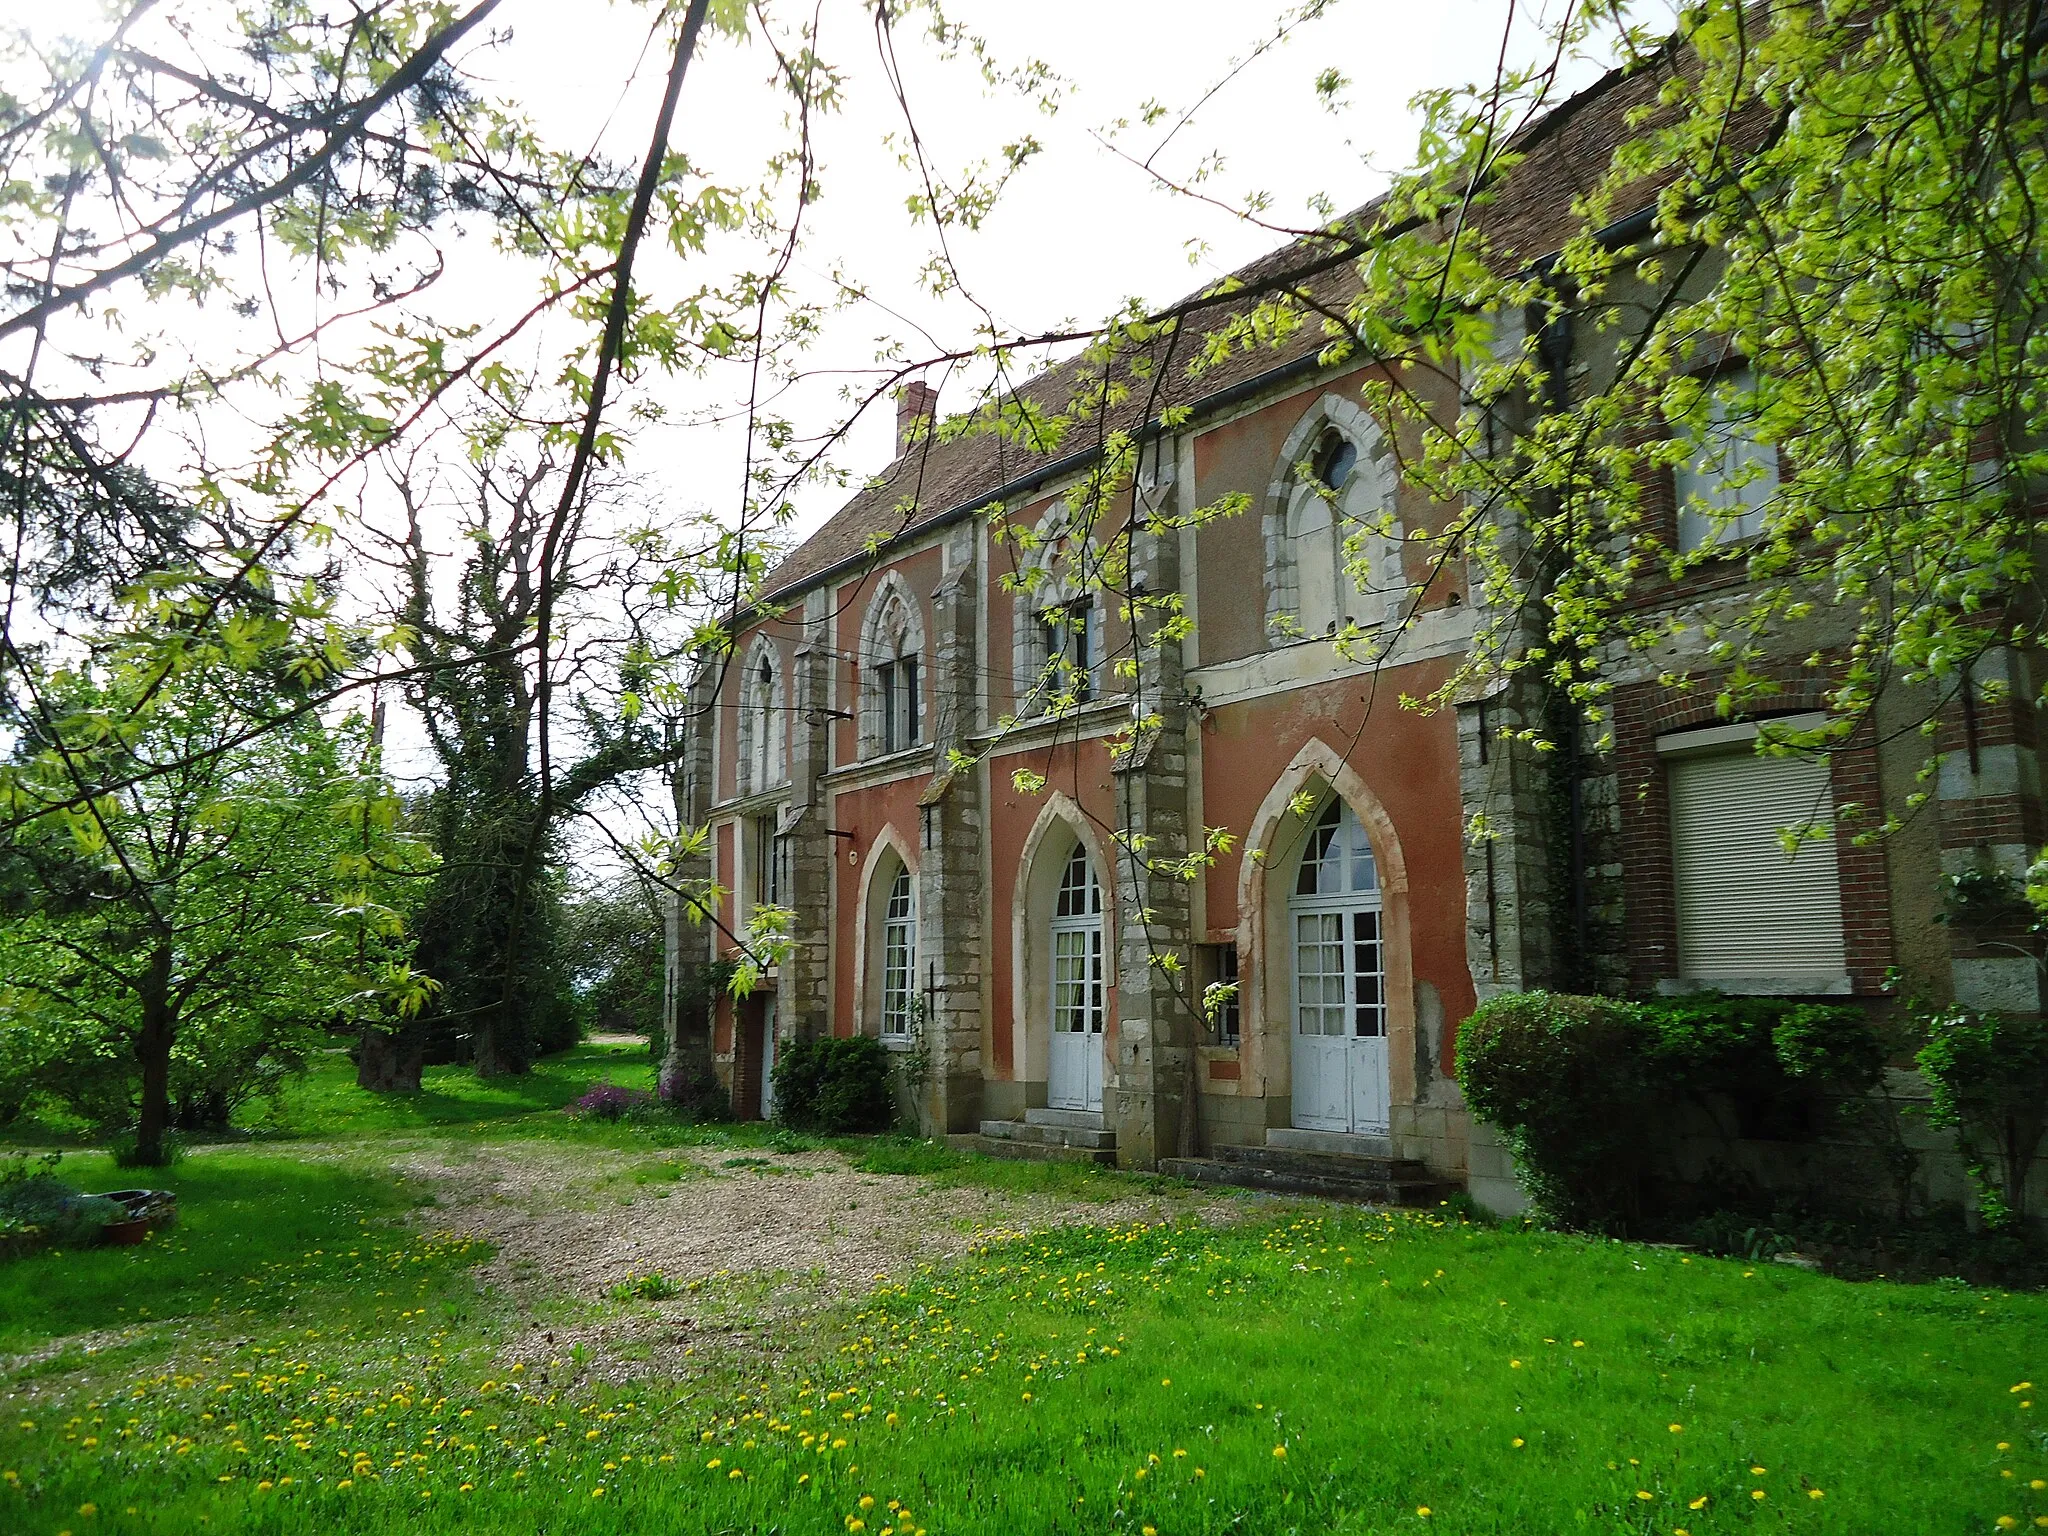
{"x": 1528, "y": 213}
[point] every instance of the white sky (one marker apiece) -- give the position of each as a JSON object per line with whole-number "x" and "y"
{"x": 1078, "y": 231}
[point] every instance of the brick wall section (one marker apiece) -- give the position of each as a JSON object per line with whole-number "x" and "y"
{"x": 1645, "y": 711}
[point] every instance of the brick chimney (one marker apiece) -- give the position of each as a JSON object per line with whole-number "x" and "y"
{"x": 916, "y": 402}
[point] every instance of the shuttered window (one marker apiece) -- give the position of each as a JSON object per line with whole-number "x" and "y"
{"x": 1747, "y": 910}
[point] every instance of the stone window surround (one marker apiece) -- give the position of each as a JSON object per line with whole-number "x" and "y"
{"x": 1647, "y": 710}
{"x": 754, "y": 717}
{"x": 1375, "y": 466}
{"x": 893, "y": 626}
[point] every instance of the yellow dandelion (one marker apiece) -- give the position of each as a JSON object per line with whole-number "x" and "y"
{"x": 1757, "y": 1494}
{"x": 1517, "y": 1442}
{"x": 1676, "y": 1429}
{"x": 1151, "y": 1530}
{"x": 467, "y": 1488}
{"x": 1422, "y": 1510}
{"x": 1645, "y": 1495}
{"x": 597, "y": 1493}
{"x": 1514, "y": 1365}
{"x": 2025, "y": 1386}
{"x": 2006, "y": 1522}
{"x": 2037, "y": 1485}
{"x": 735, "y": 1474}
{"x": 1758, "y": 1471}
{"x": 88, "y": 1510}
{"x": 1027, "y": 1397}
{"x": 1166, "y": 1381}
{"x": 1815, "y": 1493}
{"x": 867, "y": 1501}
{"x": 1279, "y": 1453}
{"x": 346, "y": 1482}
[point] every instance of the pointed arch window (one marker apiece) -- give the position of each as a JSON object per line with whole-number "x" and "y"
{"x": 763, "y": 735}
{"x": 1333, "y": 550}
{"x": 899, "y": 957}
{"x": 892, "y": 672}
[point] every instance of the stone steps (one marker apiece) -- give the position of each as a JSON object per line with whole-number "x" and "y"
{"x": 1330, "y": 1175}
{"x": 1038, "y": 1128}
{"x": 1035, "y": 1151}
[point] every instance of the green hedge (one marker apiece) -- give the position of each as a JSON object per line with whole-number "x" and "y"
{"x": 1583, "y": 1089}
{"x": 834, "y": 1084}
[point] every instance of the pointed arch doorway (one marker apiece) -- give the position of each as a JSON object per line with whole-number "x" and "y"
{"x": 1339, "y": 980}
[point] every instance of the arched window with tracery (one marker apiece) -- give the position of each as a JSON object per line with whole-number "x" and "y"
{"x": 1333, "y": 547}
{"x": 763, "y": 733}
{"x": 892, "y": 672}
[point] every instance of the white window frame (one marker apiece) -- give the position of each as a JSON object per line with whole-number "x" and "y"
{"x": 1723, "y": 487}
{"x": 1091, "y": 1008}
{"x": 892, "y": 643}
{"x": 899, "y": 938}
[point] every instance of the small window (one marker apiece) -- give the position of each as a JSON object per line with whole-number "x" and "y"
{"x": 1219, "y": 1000}
{"x": 1749, "y": 911}
{"x": 897, "y": 682}
{"x": 1725, "y": 482}
{"x": 1071, "y": 648}
{"x": 1335, "y": 461}
{"x": 899, "y": 958}
{"x": 771, "y": 857}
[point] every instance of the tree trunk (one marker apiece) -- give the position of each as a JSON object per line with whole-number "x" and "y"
{"x": 153, "y": 1055}
{"x": 687, "y": 1079}
{"x": 388, "y": 1063}
{"x": 492, "y": 1058}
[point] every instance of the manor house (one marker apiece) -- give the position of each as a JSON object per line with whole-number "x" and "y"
{"x": 879, "y": 754}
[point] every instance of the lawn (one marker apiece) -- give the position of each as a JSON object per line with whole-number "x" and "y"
{"x": 328, "y": 1366}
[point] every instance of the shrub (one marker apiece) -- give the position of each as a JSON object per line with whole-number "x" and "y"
{"x": 834, "y": 1084}
{"x": 608, "y": 1101}
{"x": 1583, "y": 1089}
{"x": 1562, "y": 1079}
{"x": 1988, "y": 1077}
{"x": 44, "y": 1207}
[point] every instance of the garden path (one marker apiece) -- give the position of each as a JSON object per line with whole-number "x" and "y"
{"x": 750, "y": 1238}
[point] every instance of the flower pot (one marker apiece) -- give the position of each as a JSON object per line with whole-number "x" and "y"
{"x": 148, "y": 1209}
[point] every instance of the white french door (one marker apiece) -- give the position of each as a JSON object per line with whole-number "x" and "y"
{"x": 1074, "y": 1063}
{"x": 1340, "y": 1015}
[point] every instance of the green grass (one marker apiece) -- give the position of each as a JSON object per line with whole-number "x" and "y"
{"x": 251, "y": 1224}
{"x": 327, "y": 1103}
{"x": 295, "y": 1357}
{"x": 1053, "y": 1384}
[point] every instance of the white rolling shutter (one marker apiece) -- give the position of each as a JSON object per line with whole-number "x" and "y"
{"x": 1747, "y": 910}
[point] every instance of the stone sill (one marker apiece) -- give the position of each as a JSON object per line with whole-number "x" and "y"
{"x": 1757, "y": 986}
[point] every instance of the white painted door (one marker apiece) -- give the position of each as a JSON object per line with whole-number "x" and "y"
{"x": 768, "y": 1059}
{"x": 1339, "y": 977}
{"x": 1074, "y": 1065}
